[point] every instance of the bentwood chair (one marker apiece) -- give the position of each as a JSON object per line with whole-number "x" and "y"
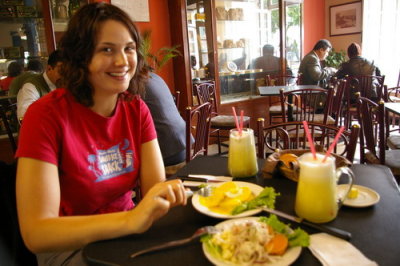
{"x": 371, "y": 117}
{"x": 8, "y": 116}
{"x": 290, "y": 135}
{"x": 361, "y": 85}
{"x": 312, "y": 105}
{"x": 275, "y": 109}
{"x": 176, "y": 95}
{"x": 197, "y": 125}
{"x": 205, "y": 92}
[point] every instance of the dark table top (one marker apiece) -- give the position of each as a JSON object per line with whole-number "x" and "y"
{"x": 274, "y": 90}
{"x": 375, "y": 230}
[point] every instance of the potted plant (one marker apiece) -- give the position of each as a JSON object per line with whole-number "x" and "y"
{"x": 335, "y": 59}
{"x": 158, "y": 59}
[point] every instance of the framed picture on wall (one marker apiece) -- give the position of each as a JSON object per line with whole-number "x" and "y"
{"x": 345, "y": 19}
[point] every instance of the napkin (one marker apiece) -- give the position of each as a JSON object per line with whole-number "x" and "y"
{"x": 333, "y": 251}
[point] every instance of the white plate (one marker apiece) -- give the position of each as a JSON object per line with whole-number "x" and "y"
{"x": 366, "y": 196}
{"x": 286, "y": 259}
{"x": 203, "y": 209}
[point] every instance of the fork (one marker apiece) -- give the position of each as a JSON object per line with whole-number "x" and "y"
{"x": 204, "y": 191}
{"x": 199, "y": 232}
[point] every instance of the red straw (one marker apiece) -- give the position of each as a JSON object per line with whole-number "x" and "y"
{"x": 333, "y": 143}
{"x": 310, "y": 140}
{"x": 236, "y": 119}
{"x": 241, "y": 122}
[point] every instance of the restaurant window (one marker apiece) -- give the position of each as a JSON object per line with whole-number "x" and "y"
{"x": 244, "y": 30}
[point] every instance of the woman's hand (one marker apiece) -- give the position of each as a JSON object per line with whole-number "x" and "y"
{"x": 157, "y": 201}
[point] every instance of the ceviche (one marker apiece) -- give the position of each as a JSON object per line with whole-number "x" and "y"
{"x": 254, "y": 241}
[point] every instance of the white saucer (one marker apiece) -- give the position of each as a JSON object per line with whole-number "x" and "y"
{"x": 366, "y": 196}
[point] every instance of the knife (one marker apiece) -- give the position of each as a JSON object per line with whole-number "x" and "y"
{"x": 206, "y": 178}
{"x": 323, "y": 228}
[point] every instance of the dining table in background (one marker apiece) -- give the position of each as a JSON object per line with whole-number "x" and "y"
{"x": 375, "y": 229}
{"x": 393, "y": 107}
{"x": 275, "y": 90}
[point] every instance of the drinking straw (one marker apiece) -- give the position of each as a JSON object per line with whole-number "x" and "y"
{"x": 236, "y": 119}
{"x": 335, "y": 140}
{"x": 241, "y": 122}
{"x": 310, "y": 140}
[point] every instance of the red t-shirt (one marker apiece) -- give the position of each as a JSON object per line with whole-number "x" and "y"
{"x": 98, "y": 157}
{"x": 5, "y": 83}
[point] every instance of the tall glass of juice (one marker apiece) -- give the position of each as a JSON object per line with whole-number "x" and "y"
{"x": 316, "y": 199}
{"x": 242, "y": 159}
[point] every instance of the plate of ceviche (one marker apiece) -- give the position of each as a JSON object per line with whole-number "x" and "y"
{"x": 254, "y": 241}
{"x": 234, "y": 199}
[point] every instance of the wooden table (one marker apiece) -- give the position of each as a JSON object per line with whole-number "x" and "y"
{"x": 375, "y": 230}
{"x": 393, "y": 107}
{"x": 274, "y": 90}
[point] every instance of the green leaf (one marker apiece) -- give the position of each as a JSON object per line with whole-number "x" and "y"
{"x": 265, "y": 198}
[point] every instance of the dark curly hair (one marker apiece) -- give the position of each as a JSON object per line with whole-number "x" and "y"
{"x": 78, "y": 45}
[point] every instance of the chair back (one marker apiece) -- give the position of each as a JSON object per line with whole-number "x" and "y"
{"x": 176, "y": 96}
{"x": 306, "y": 104}
{"x": 290, "y": 135}
{"x": 364, "y": 84}
{"x": 197, "y": 125}
{"x": 8, "y": 114}
{"x": 336, "y": 111}
{"x": 371, "y": 117}
{"x": 205, "y": 92}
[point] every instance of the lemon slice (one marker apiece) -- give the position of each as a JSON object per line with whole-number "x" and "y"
{"x": 353, "y": 193}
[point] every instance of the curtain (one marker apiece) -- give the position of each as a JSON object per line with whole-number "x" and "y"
{"x": 381, "y": 36}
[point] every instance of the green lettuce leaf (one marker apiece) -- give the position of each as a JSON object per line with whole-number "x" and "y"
{"x": 296, "y": 237}
{"x": 265, "y": 198}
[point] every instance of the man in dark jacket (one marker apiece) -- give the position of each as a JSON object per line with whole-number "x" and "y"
{"x": 358, "y": 66}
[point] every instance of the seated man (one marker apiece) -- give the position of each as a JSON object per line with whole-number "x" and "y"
{"x": 38, "y": 85}
{"x": 359, "y": 66}
{"x": 310, "y": 67}
{"x": 170, "y": 126}
{"x": 34, "y": 67}
{"x": 268, "y": 62}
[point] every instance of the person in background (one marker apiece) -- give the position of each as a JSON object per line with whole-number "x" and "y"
{"x": 83, "y": 148}
{"x": 312, "y": 73}
{"x": 358, "y": 66}
{"x": 14, "y": 69}
{"x": 34, "y": 67}
{"x": 268, "y": 62}
{"x": 38, "y": 85}
{"x": 170, "y": 126}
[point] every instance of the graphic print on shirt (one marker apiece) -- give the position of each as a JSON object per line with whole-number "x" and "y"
{"x": 112, "y": 162}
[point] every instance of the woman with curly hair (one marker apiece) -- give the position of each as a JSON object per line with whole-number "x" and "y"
{"x": 85, "y": 147}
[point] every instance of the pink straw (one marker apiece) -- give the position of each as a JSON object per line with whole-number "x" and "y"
{"x": 335, "y": 140}
{"x": 241, "y": 122}
{"x": 310, "y": 140}
{"x": 236, "y": 119}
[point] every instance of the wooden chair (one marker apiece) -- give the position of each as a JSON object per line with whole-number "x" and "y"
{"x": 275, "y": 109}
{"x": 280, "y": 136}
{"x": 205, "y": 92}
{"x": 8, "y": 116}
{"x": 392, "y": 120}
{"x": 361, "y": 85}
{"x": 176, "y": 95}
{"x": 197, "y": 125}
{"x": 371, "y": 117}
{"x": 313, "y": 105}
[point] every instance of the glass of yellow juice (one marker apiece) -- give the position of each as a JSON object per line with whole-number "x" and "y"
{"x": 242, "y": 159}
{"x": 316, "y": 197}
